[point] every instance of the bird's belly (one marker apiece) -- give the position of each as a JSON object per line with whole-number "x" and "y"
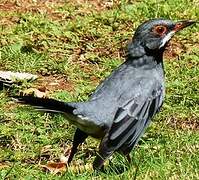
{"x": 87, "y": 126}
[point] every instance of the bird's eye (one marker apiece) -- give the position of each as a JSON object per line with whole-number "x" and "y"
{"x": 160, "y": 29}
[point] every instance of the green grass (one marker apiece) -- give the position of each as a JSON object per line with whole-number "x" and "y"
{"x": 83, "y": 43}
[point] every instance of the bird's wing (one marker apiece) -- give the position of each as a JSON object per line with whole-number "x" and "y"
{"x": 130, "y": 121}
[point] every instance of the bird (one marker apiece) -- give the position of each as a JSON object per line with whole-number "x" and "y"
{"x": 124, "y": 104}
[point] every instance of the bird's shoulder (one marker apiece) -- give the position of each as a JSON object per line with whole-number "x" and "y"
{"x": 126, "y": 78}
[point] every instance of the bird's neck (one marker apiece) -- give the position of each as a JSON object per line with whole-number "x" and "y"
{"x": 147, "y": 59}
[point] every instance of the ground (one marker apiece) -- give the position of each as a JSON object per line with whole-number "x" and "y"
{"x": 72, "y": 46}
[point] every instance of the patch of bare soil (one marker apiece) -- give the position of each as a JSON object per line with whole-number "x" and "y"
{"x": 53, "y": 83}
{"x": 47, "y": 84}
{"x": 112, "y": 51}
{"x": 34, "y": 6}
{"x": 29, "y": 5}
{"x": 50, "y": 7}
{"x": 174, "y": 48}
{"x": 191, "y": 123}
{"x": 96, "y": 5}
{"x": 8, "y": 21}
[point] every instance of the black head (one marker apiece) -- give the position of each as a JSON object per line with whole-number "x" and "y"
{"x": 154, "y": 34}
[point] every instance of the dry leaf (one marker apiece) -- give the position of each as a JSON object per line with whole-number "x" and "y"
{"x": 62, "y": 166}
{"x": 35, "y": 92}
{"x": 3, "y": 165}
{"x": 55, "y": 168}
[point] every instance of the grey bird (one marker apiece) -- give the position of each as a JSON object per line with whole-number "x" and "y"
{"x": 122, "y": 106}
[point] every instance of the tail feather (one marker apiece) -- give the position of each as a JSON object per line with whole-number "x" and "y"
{"x": 5, "y": 82}
{"x": 44, "y": 104}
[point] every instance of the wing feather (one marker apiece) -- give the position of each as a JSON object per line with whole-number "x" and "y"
{"x": 131, "y": 120}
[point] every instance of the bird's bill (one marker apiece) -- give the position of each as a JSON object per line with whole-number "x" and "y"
{"x": 183, "y": 24}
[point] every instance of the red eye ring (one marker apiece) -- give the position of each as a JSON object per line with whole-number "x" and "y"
{"x": 160, "y": 29}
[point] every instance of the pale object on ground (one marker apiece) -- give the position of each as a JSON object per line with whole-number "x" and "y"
{"x": 35, "y": 92}
{"x": 12, "y": 77}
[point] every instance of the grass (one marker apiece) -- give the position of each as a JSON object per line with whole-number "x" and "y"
{"x": 81, "y": 43}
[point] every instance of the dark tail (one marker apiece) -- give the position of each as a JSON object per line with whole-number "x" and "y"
{"x": 44, "y": 104}
{"x": 5, "y": 83}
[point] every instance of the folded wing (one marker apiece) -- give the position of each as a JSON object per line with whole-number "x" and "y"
{"x": 129, "y": 123}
